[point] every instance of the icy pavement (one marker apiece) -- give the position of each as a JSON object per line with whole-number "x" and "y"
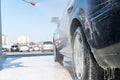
{"x": 33, "y": 68}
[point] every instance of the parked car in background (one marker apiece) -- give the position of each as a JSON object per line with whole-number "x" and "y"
{"x": 40, "y": 45}
{"x": 47, "y": 46}
{"x": 36, "y": 48}
{"x": 23, "y": 48}
{"x": 89, "y": 33}
{"x": 4, "y": 50}
{"x": 15, "y": 48}
{"x": 30, "y": 49}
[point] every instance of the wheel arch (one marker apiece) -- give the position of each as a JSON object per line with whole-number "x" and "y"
{"x": 74, "y": 25}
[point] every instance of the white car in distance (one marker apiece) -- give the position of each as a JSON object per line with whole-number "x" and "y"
{"x": 23, "y": 48}
{"x": 47, "y": 46}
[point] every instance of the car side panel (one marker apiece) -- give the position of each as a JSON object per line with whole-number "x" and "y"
{"x": 63, "y": 31}
{"x": 100, "y": 21}
{"x": 104, "y": 35}
{"x": 103, "y": 20}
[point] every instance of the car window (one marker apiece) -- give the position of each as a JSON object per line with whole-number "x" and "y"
{"x": 47, "y": 43}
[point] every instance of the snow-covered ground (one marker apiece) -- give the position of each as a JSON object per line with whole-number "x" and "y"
{"x": 33, "y": 68}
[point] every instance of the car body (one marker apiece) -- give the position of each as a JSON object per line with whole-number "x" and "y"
{"x": 30, "y": 49}
{"x": 96, "y": 22}
{"x": 36, "y": 48}
{"x": 4, "y": 50}
{"x": 40, "y": 45}
{"x": 14, "y": 48}
{"x": 23, "y": 48}
{"x": 47, "y": 46}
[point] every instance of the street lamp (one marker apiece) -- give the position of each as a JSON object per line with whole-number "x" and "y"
{"x": 32, "y": 3}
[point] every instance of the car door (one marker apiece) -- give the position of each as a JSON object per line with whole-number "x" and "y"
{"x": 64, "y": 29}
{"x": 98, "y": 13}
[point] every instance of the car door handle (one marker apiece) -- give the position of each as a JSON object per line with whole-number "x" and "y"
{"x": 70, "y": 9}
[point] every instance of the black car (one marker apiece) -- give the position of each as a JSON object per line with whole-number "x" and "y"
{"x": 15, "y": 48}
{"x": 89, "y": 33}
{"x": 4, "y": 50}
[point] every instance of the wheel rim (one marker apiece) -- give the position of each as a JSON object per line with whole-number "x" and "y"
{"x": 78, "y": 56}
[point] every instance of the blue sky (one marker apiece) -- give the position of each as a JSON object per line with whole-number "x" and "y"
{"x": 20, "y": 18}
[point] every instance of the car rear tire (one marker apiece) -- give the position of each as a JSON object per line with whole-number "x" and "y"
{"x": 84, "y": 65}
{"x": 57, "y": 56}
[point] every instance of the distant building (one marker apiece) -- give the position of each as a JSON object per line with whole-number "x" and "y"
{"x": 4, "y": 39}
{"x": 23, "y": 40}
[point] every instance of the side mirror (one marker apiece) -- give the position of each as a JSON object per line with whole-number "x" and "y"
{"x": 55, "y": 20}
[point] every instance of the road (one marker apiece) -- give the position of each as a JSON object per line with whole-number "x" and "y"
{"x": 33, "y": 67}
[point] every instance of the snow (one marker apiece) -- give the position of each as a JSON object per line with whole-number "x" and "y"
{"x": 33, "y": 68}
